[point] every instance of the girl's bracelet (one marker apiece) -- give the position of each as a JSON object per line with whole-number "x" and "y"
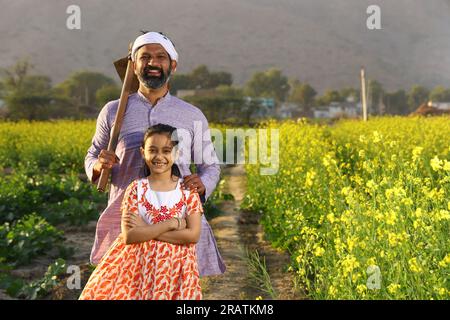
{"x": 179, "y": 222}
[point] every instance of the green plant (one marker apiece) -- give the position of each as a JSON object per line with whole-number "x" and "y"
{"x": 211, "y": 206}
{"x": 57, "y": 197}
{"x": 27, "y": 238}
{"x": 258, "y": 272}
{"x": 41, "y": 287}
{"x": 18, "y": 288}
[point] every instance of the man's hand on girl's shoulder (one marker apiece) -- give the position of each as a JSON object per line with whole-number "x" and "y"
{"x": 193, "y": 183}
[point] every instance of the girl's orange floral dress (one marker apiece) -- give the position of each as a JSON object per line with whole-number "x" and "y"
{"x": 152, "y": 269}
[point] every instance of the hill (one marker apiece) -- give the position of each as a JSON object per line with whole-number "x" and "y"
{"x": 320, "y": 41}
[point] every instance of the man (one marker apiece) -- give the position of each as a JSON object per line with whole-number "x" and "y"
{"x": 154, "y": 60}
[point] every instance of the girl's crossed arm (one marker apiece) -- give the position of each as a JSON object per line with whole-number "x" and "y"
{"x": 190, "y": 234}
{"x": 136, "y": 230}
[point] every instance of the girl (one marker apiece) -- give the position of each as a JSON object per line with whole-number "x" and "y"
{"x": 154, "y": 256}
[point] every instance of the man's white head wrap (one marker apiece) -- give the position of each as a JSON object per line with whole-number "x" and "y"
{"x": 154, "y": 37}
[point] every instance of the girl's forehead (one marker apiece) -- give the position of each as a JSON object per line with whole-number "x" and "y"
{"x": 160, "y": 139}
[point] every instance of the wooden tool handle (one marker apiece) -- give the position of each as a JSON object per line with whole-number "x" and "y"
{"x": 104, "y": 175}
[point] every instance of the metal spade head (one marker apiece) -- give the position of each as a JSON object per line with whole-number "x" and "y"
{"x": 121, "y": 68}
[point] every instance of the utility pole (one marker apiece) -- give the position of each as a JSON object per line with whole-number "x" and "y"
{"x": 363, "y": 94}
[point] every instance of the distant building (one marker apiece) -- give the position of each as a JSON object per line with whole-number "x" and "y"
{"x": 266, "y": 106}
{"x": 321, "y": 113}
{"x": 440, "y": 105}
{"x": 432, "y": 109}
{"x": 288, "y": 110}
{"x": 338, "y": 109}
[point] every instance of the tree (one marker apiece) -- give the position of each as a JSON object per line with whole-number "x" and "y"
{"x": 26, "y": 96}
{"x": 32, "y": 100}
{"x": 440, "y": 94}
{"x": 13, "y": 77}
{"x": 375, "y": 92}
{"x": 180, "y": 82}
{"x": 353, "y": 93}
{"x": 230, "y": 91}
{"x": 396, "y": 102}
{"x": 200, "y": 78}
{"x": 269, "y": 84}
{"x": 81, "y": 87}
{"x": 220, "y": 108}
{"x": 328, "y": 97}
{"x": 221, "y": 78}
{"x": 417, "y": 96}
{"x": 302, "y": 94}
{"x": 107, "y": 93}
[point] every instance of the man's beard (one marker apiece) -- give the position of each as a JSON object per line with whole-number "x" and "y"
{"x": 153, "y": 82}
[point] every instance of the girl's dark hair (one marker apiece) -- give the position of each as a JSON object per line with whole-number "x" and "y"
{"x": 161, "y": 129}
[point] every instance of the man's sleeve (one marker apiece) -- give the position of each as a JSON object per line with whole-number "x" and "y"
{"x": 205, "y": 158}
{"x": 99, "y": 141}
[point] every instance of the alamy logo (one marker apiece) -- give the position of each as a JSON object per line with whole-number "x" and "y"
{"x": 73, "y": 21}
{"x": 242, "y": 146}
{"x": 74, "y": 281}
{"x": 374, "y": 280}
{"x": 374, "y": 20}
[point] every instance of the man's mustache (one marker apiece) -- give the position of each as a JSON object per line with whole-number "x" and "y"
{"x": 150, "y": 68}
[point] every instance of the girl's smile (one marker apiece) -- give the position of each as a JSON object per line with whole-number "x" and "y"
{"x": 159, "y": 153}
{"x": 159, "y": 164}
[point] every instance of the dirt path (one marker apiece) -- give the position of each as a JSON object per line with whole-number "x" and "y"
{"x": 235, "y": 231}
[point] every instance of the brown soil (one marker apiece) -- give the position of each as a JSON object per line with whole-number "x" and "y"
{"x": 235, "y": 230}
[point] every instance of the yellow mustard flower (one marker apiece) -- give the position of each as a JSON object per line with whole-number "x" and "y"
{"x": 319, "y": 251}
{"x": 417, "y": 151}
{"x": 371, "y": 184}
{"x": 349, "y": 264}
{"x": 351, "y": 242}
{"x": 446, "y": 165}
{"x": 414, "y": 266}
{"x": 310, "y": 175}
{"x": 332, "y": 218}
{"x": 443, "y": 291}
{"x": 445, "y": 262}
{"x": 391, "y": 218}
{"x": 332, "y": 291}
{"x": 361, "y": 289}
{"x": 362, "y": 153}
{"x": 443, "y": 215}
{"x": 393, "y": 287}
{"x": 436, "y": 164}
{"x": 377, "y": 136}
